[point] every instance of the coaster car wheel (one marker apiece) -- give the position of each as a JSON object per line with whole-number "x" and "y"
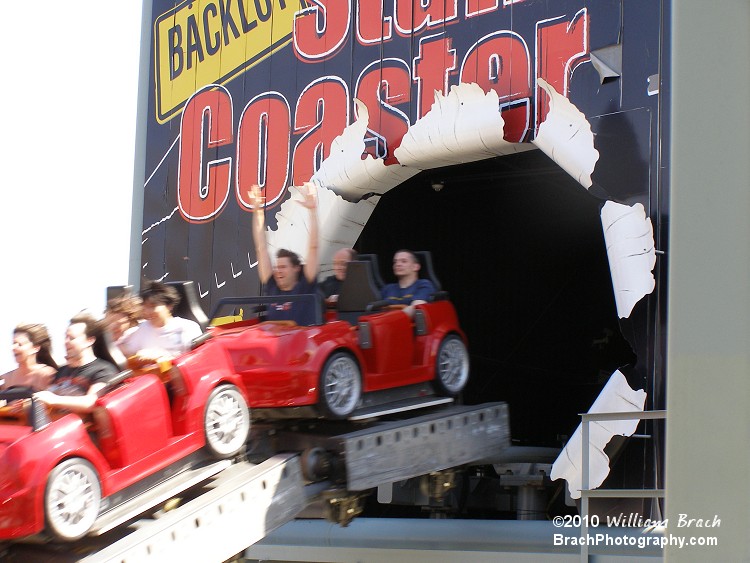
{"x": 452, "y": 366}
{"x": 340, "y": 386}
{"x": 226, "y": 422}
{"x": 72, "y": 499}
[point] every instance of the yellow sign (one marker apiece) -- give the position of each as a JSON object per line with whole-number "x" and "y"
{"x": 213, "y": 41}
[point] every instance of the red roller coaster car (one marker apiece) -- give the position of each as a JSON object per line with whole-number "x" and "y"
{"x": 332, "y": 368}
{"x": 342, "y": 359}
{"x": 66, "y": 474}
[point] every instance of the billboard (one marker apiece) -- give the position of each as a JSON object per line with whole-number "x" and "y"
{"x": 257, "y": 92}
{"x": 365, "y": 96}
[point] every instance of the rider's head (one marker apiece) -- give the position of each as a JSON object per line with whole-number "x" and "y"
{"x": 406, "y": 265}
{"x": 159, "y": 300}
{"x": 341, "y": 258}
{"x": 287, "y": 269}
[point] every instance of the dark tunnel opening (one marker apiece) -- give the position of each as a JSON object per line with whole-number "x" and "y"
{"x": 518, "y": 244}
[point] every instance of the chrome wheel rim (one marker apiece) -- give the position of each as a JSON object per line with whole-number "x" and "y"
{"x": 227, "y": 421}
{"x": 453, "y": 365}
{"x": 342, "y": 385}
{"x": 73, "y": 498}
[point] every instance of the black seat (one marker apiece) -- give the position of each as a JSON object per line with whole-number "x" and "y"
{"x": 357, "y": 291}
{"x": 189, "y": 306}
{"x": 427, "y": 271}
{"x": 375, "y": 269}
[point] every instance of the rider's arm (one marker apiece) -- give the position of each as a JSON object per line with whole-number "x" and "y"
{"x": 75, "y": 403}
{"x": 259, "y": 234}
{"x": 312, "y": 260}
{"x": 422, "y": 291}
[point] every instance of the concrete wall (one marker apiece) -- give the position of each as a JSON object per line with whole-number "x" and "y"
{"x": 708, "y": 395}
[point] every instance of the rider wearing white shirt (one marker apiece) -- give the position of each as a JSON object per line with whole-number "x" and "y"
{"x": 160, "y": 336}
{"x": 174, "y": 337}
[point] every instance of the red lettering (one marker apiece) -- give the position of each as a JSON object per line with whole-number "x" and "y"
{"x": 381, "y": 87}
{"x": 372, "y": 25}
{"x": 322, "y": 113}
{"x": 412, "y": 16}
{"x": 203, "y": 187}
{"x": 263, "y": 140}
{"x": 321, "y": 30}
{"x": 561, "y": 45}
{"x": 500, "y": 62}
{"x": 432, "y": 68}
{"x": 479, "y": 7}
{"x": 516, "y": 117}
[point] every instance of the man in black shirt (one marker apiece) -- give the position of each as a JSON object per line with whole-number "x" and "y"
{"x": 76, "y": 384}
{"x": 331, "y": 286}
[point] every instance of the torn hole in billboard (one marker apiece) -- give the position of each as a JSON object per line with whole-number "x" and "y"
{"x": 520, "y": 246}
{"x": 464, "y": 126}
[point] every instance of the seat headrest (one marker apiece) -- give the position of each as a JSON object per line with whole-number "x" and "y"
{"x": 358, "y": 288}
{"x": 427, "y": 271}
{"x": 189, "y": 306}
{"x": 375, "y": 268}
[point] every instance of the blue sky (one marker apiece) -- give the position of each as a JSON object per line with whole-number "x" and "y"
{"x": 70, "y": 80}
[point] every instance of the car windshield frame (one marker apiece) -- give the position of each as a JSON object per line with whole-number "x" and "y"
{"x": 264, "y": 300}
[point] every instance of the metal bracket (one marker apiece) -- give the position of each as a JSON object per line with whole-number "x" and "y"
{"x": 342, "y": 506}
{"x": 436, "y": 485}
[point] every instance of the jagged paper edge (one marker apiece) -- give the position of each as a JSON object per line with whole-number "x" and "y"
{"x": 566, "y": 137}
{"x": 629, "y": 237}
{"x": 464, "y": 126}
{"x": 616, "y": 396}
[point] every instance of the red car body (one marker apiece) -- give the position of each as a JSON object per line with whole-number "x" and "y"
{"x": 280, "y": 363}
{"x": 139, "y": 432}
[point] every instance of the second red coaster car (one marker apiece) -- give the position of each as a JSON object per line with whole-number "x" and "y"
{"x": 327, "y": 368}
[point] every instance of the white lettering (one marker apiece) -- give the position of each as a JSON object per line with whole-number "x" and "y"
{"x": 685, "y": 522}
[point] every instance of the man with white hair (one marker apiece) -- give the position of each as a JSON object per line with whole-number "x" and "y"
{"x": 331, "y": 286}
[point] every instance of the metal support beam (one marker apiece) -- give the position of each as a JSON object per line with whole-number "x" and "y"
{"x": 246, "y": 503}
